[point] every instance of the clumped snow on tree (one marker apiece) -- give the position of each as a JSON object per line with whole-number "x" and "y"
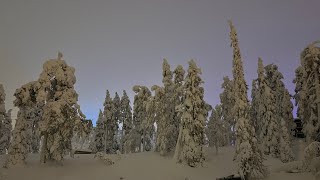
{"x": 5, "y": 123}
{"x": 190, "y": 142}
{"x": 248, "y": 155}
{"x": 135, "y": 140}
{"x": 308, "y": 90}
{"x": 266, "y": 115}
{"x": 61, "y": 111}
{"x": 167, "y": 126}
{"x": 282, "y": 113}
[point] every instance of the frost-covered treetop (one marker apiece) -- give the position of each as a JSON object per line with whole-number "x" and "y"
{"x": 167, "y": 74}
{"x": 238, "y": 73}
{"x": 125, "y": 99}
{"x": 116, "y": 98}
{"x": 57, "y": 81}
{"x": 193, "y": 73}
{"x": 274, "y": 76}
{"x": 179, "y": 74}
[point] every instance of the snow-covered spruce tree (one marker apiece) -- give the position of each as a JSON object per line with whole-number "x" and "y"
{"x": 178, "y": 81}
{"x": 189, "y": 148}
{"x": 139, "y": 115}
{"x": 110, "y": 125}
{"x": 248, "y": 156}
{"x": 116, "y": 114}
{"x": 266, "y": 114}
{"x": 167, "y": 127}
{"x": 61, "y": 113}
{"x": 227, "y": 103}
{"x": 125, "y": 119}
{"x": 20, "y": 144}
{"x": 148, "y": 124}
{"x": 308, "y": 90}
{"x": 99, "y": 134}
{"x": 159, "y": 95}
{"x": 5, "y": 121}
{"x": 283, "y": 103}
{"x": 215, "y": 128}
{"x": 283, "y": 111}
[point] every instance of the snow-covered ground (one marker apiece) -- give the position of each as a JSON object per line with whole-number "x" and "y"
{"x": 141, "y": 166}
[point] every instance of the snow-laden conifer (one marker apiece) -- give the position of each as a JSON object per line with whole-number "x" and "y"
{"x": 99, "y": 134}
{"x": 248, "y": 155}
{"x": 189, "y": 148}
{"x": 125, "y": 118}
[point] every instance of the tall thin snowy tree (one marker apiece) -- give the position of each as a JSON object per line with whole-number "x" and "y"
{"x": 282, "y": 111}
{"x": 267, "y": 114}
{"x": 148, "y": 123}
{"x": 139, "y": 115}
{"x": 125, "y": 119}
{"x": 248, "y": 155}
{"x": 167, "y": 127}
{"x": 189, "y": 148}
{"x": 116, "y": 116}
{"x": 110, "y": 125}
{"x": 100, "y": 134}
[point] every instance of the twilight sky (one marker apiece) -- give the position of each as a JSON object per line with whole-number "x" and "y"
{"x": 116, "y": 44}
